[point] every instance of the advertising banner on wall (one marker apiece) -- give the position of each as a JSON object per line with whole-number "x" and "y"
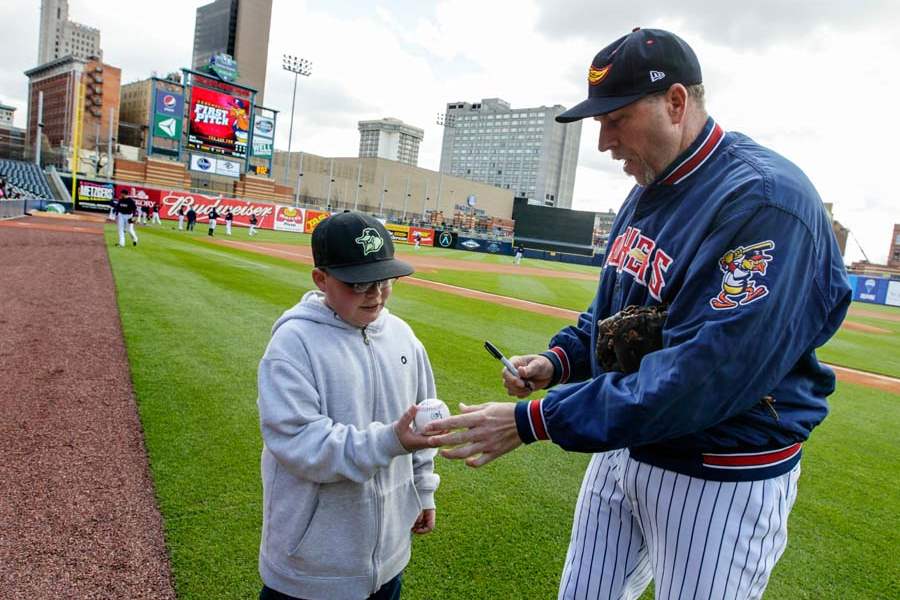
{"x": 289, "y": 218}
{"x": 219, "y": 123}
{"x": 489, "y": 246}
{"x": 215, "y": 166}
{"x": 445, "y": 239}
{"x": 399, "y": 233}
{"x": 169, "y": 104}
{"x": 94, "y": 195}
{"x": 426, "y": 236}
{"x": 171, "y": 201}
{"x": 871, "y": 289}
{"x": 142, "y": 196}
{"x": 313, "y": 218}
{"x": 263, "y": 132}
{"x": 167, "y": 127}
{"x": 893, "y": 294}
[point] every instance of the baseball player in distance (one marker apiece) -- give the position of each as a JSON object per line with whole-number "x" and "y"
{"x": 125, "y": 214}
{"x": 697, "y": 453}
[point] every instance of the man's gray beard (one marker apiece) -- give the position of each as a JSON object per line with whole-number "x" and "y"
{"x": 646, "y": 175}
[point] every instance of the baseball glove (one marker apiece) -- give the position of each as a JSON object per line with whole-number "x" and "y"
{"x": 624, "y": 338}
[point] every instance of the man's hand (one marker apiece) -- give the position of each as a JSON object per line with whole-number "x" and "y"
{"x": 425, "y": 523}
{"x": 537, "y": 369}
{"x": 409, "y": 437}
{"x": 489, "y": 432}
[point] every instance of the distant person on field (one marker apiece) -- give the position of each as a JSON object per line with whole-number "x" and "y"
{"x": 253, "y": 223}
{"x": 180, "y": 218}
{"x": 229, "y": 219}
{"x": 191, "y": 218}
{"x": 125, "y": 209}
{"x": 345, "y": 479}
{"x": 417, "y": 239}
{"x": 213, "y": 216}
{"x": 520, "y": 252}
{"x": 154, "y": 213}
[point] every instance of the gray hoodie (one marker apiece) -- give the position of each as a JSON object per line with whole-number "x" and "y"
{"x": 340, "y": 493}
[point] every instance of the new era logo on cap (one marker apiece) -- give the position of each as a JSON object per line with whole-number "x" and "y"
{"x": 638, "y": 64}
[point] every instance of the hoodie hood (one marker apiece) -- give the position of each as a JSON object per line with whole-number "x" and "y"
{"x": 312, "y": 307}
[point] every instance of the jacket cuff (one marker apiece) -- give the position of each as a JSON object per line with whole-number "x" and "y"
{"x": 560, "y": 361}
{"x": 530, "y": 421}
{"x": 427, "y": 499}
{"x": 389, "y": 443}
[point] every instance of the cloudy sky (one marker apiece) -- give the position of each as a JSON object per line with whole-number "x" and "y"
{"x": 815, "y": 80}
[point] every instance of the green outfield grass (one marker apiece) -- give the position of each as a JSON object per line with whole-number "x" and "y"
{"x": 196, "y": 320}
{"x": 867, "y": 351}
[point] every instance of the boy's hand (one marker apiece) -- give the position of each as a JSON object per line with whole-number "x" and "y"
{"x": 409, "y": 437}
{"x": 425, "y": 523}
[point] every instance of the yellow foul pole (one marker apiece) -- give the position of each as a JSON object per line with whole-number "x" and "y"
{"x": 76, "y": 138}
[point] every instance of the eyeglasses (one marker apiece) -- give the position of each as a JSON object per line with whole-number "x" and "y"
{"x": 368, "y": 286}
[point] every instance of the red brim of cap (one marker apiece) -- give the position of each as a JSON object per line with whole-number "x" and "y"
{"x": 594, "y": 107}
{"x": 372, "y": 271}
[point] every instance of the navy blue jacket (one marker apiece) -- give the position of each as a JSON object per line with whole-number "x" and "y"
{"x": 736, "y": 241}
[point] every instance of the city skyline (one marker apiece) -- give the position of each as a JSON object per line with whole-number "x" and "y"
{"x": 791, "y": 88}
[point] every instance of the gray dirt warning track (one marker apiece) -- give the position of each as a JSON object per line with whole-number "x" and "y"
{"x": 78, "y": 518}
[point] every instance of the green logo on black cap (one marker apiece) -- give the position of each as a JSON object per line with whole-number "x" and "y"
{"x": 370, "y": 240}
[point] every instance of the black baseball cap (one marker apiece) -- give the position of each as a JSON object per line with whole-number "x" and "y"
{"x": 355, "y": 247}
{"x": 635, "y": 65}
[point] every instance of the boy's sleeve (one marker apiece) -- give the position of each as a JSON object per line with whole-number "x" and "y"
{"x": 424, "y": 477}
{"x": 309, "y": 444}
{"x": 722, "y": 353}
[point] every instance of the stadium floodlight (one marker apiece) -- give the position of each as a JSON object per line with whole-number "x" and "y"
{"x": 297, "y": 66}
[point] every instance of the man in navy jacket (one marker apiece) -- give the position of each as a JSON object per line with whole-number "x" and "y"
{"x": 697, "y": 453}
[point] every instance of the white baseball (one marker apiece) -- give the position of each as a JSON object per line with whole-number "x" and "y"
{"x": 430, "y": 410}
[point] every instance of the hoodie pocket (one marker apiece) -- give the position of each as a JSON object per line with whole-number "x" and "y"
{"x": 340, "y": 539}
{"x": 402, "y": 508}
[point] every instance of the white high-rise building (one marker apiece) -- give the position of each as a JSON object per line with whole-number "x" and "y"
{"x": 523, "y": 149}
{"x": 61, "y": 37}
{"x": 391, "y": 139}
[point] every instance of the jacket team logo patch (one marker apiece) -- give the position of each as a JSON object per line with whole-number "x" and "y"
{"x": 740, "y": 266}
{"x": 370, "y": 241}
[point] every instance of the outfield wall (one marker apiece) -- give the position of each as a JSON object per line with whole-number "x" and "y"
{"x": 875, "y": 290}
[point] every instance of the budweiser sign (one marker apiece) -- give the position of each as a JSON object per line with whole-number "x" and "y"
{"x": 203, "y": 204}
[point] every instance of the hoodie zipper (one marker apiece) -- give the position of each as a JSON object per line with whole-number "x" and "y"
{"x": 375, "y": 480}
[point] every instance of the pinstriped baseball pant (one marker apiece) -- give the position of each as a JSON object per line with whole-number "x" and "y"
{"x": 696, "y": 538}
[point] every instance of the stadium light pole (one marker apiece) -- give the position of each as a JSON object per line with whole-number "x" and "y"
{"x": 297, "y": 66}
{"x": 445, "y": 120}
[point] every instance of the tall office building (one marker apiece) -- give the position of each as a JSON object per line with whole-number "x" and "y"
{"x": 391, "y": 139}
{"x": 894, "y": 252}
{"x": 60, "y": 37}
{"x": 239, "y": 28}
{"x": 523, "y": 150}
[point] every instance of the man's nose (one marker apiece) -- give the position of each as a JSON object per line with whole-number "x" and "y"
{"x": 605, "y": 141}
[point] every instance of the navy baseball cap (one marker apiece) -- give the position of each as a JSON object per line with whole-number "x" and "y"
{"x": 635, "y": 65}
{"x": 355, "y": 247}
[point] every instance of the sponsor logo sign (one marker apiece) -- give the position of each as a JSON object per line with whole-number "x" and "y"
{"x": 289, "y": 218}
{"x": 223, "y": 66}
{"x": 399, "y": 233}
{"x": 313, "y": 218}
{"x": 893, "y": 294}
{"x": 142, "y": 196}
{"x": 167, "y": 127}
{"x": 445, "y": 240}
{"x": 219, "y": 123}
{"x": 94, "y": 194}
{"x": 263, "y": 132}
{"x": 203, "y": 164}
{"x": 426, "y": 239}
{"x": 171, "y": 201}
{"x": 169, "y": 104}
{"x": 228, "y": 168}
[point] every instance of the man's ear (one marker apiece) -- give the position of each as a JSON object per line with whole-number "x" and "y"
{"x": 676, "y": 103}
{"x": 318, "y": 277}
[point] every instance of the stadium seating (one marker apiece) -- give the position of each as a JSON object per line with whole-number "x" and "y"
{"x": 25, "y": 176}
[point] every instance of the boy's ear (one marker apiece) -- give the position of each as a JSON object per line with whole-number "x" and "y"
{"x": 318, "y": 277}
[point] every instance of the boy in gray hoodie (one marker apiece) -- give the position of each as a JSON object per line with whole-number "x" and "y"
{"x": 345, "y": 478}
